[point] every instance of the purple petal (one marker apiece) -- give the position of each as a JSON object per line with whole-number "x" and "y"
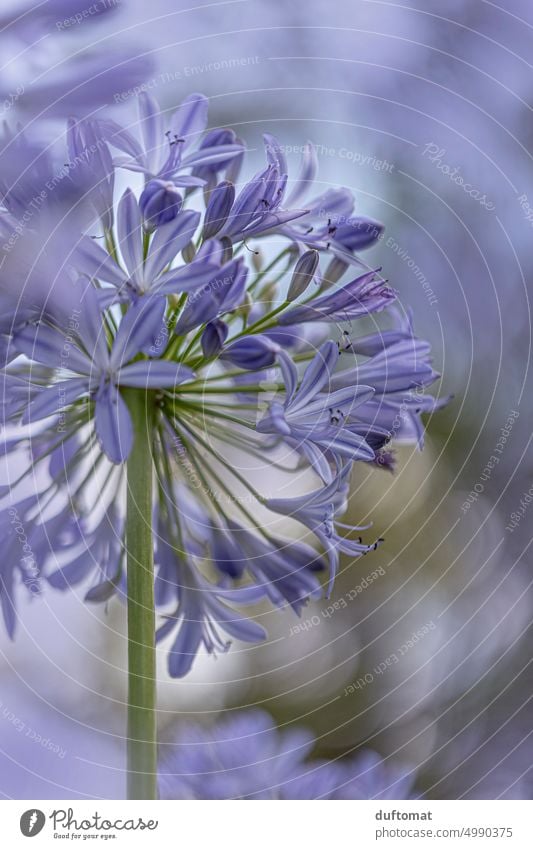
{"x": 151, "y": 122}
{"x": 317, "y": 374}
{"x": 307, "y": 175}
{"x": 239, "y": 627}
{"x": 52, "y": 348}
{"x": 190, "y": 118}
{"x": 187, "y": 182}
{"x": 130, "y": 235}
{"x": 275, "y": 219}
{"x": 185, "y": 279}
{"x": 209, "y": 155}
{"x": 274, "y": 153}
{"x": 7, "y": 601}
{"x": 113, "y": 425}
{"x": 154, "y": 374}
{"x": 138, "y": 331}
{"x": 91, "y": 329}
{"x": 220, "y": 202}
{"x": 290, "y": 374}
{"x": 54, "y": 398}
{"x": 95, "y": 262}
{"x": 168, "y": 241}
{"x": 185, "y": 648}
{"x": 251, "y": 353}
{"x": 120, "y": 138}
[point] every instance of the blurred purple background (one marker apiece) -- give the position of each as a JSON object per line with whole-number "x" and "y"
{"x": 424, "y": 111}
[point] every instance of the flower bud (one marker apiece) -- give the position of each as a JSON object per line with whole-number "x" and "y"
{"x": 253, "y": 352}
{"x": 218, "y": 208}
{"x": 333, "y": 273}
{"x": 160, "y": 202}
{"x": 213, "y": 338}
{"x": 303, "y": 274}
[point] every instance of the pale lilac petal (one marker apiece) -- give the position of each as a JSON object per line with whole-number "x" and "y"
{"x": 120, "y": 138}
{"x": 185, "y": 181}
{"x": 130, "y": 235}
{"x": 317, "y": 374}
{"x": 307, "y": 175}
{"x": 209, "y": 155}
{"x": 290, "y": 374}
{"x": 52, "y": 348}
{"x": 138, "y": 330}
{"x": 7, "y": 602}
{"x": 349, "y": 397}
{"x": 190, "y": 118}
{"x": 152, "y": 128}
{"x": 186, "y": 279}
{"x": 91, "y": 259}
{"x": 131, "y": 165}
{"x": 274, "y": 152}
{"x": 55, "y": 398}
{"x": 168, "y": 241}
{"x": 239, "y": 627}
{"x": 154, "y": 374}
{"x": 91, "y": 329}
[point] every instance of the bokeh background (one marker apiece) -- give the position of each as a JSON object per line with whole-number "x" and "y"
{"x": 423, "y": 653}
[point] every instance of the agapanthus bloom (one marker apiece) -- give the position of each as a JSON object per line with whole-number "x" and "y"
{"x": 236, "y": 361}
{"x": 245, "y": 756}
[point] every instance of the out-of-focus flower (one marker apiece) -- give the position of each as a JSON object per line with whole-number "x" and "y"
{"x": 46, "y": 73}
{"x": 246, "y": 757}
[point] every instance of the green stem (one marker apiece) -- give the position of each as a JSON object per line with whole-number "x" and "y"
{"x": 142, "y": 730}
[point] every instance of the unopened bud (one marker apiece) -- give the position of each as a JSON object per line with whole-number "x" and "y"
{"x": 303, "y": 274}
{"x": 213, "y": 338}
{"x": 160, "y": 202}
{"x": 220, "y": 203}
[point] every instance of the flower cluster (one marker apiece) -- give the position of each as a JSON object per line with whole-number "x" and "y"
{"x": 232, "y": 305}
{"x": 246, "y": 757}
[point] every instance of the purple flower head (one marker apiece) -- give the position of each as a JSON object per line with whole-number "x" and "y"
{"x": 151, "y": 300}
